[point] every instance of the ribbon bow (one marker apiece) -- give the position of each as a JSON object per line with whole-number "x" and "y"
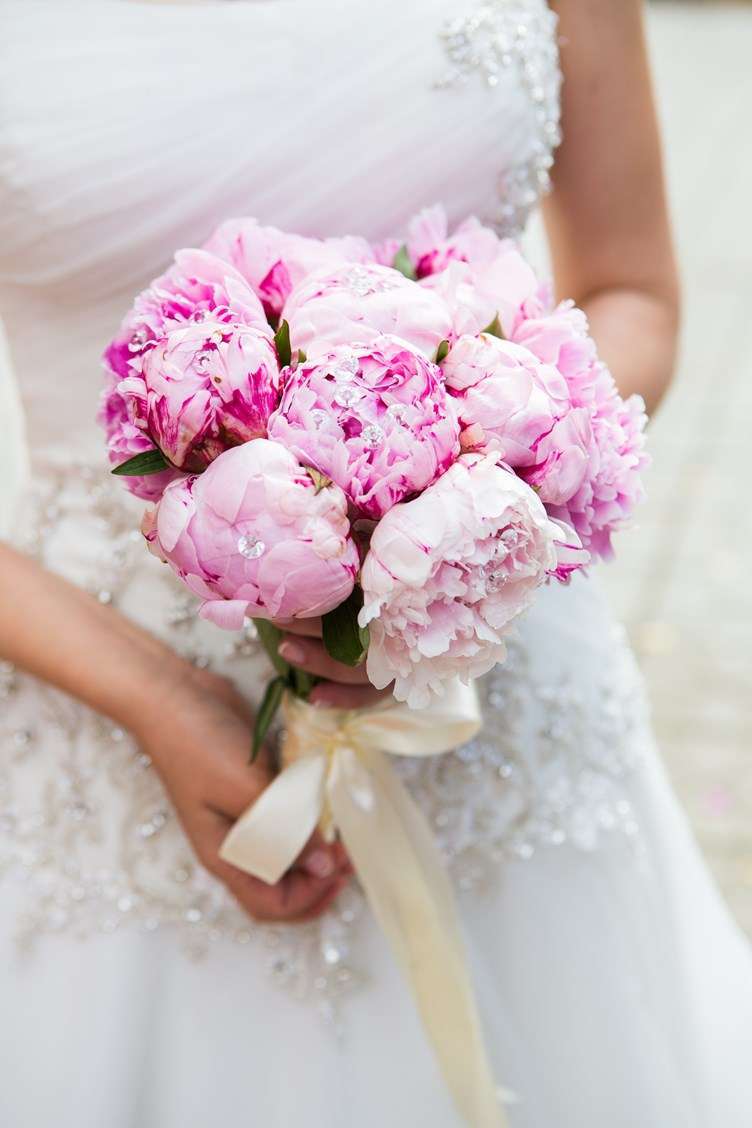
{"x": 336, "y": 774}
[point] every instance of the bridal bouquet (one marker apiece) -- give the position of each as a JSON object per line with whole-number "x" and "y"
{"x": 405, "y": 441}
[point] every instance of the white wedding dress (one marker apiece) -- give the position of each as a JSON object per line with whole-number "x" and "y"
{"x": 614, "y": 988}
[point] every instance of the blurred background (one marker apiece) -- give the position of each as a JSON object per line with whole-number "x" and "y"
{"x": 682, "y": 580}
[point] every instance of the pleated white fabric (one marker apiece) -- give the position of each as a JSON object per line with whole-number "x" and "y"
{"x": 614, "y": 988}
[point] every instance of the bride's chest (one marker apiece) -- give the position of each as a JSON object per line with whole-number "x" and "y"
{"x": 127, "y": 127}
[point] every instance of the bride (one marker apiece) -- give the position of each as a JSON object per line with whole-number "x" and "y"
{"x": 144, "y": 982}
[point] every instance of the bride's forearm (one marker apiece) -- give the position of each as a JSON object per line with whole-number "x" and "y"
{"x": 636, "y": 334}
{"x": 61, "y": 635}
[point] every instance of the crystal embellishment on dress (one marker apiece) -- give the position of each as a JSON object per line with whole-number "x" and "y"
{"x": 488, "y": 40}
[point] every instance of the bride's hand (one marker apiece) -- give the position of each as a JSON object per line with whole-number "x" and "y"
{"x": 343, "y": 687}
{"x": 199, "y": 738}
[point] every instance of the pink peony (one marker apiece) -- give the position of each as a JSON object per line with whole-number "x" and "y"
{"x": 202, "y": 389}
{"x": 198, "y": 286}
{"x": 560, "y": 337}
{"x": 355, "y": 304}
{"x": 617, "y": 459}
{"x": 446, "y": 575}
{"x": 375, "y": 419}
{"x": 274, "y": 262}
{"x": 431, "y": 248}
{"x": 125, "y": 440}
{"x": 509, "y": 402}
{"x": 255, "y": 536}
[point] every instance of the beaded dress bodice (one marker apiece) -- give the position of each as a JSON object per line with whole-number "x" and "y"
{"x": 129, "y": 129}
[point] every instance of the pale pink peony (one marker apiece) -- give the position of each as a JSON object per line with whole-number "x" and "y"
{"x": 353, "y": 305}
{"x": 431, "y": 248}
{"x": 198, "y": 286}
{"x": 273, "y": 262}
{"x": 447, "y": 574}
{"x": 255, "y": 536}
{"x": 506, "y": 288}
{"x": 510, "y": 402}
{"x": 202, "y": 389}
{"x": 375, "y": 419}
{"x": 125, "y": 440}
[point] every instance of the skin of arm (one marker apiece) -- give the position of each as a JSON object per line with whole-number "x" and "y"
{"x": 193, "y": 724}
{"x": 607, "y": 217}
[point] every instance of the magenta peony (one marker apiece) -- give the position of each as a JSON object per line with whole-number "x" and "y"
{"x": 256, "y": 536}
{"x": 198, "y": 286}
{"x": 202, "y": 389}
{"x": 375, "y": 419}
{"x": 352, "y": 305}
{"x": 446, "y": 575}
{"x": 273, "y": 262}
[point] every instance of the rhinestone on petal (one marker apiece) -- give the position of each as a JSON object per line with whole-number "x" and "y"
{"x": 372, "y": 436}
{"x": 204, "y": 360}
{"x": 345, "y": 369}
{"x": 398, "y": 411}
{"x": 347, "y": 396}
{"x": 251, "y": 547}
{"x": 139, "y": 341}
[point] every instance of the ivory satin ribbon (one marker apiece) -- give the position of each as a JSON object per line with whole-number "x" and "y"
{"x": 336, "y": 773}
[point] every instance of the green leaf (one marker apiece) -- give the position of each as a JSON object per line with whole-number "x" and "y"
{"x": 270, "y": 638}
{"x": 495, "y": 329}
{"x": 266, "y": 713}
{"x": 403, "y": 264}
{"x": 320, "y": 481}
{"x": 302, "y": 682}
{"x": 341, "y": 633}
{"x": 442, "y": 352}
{"x": 150, "y": 462}
{"x": 282, "y": 342}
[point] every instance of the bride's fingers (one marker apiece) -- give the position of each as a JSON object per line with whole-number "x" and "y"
{"x": 297, "y": 896}
{"x": 309, "y": 654}
{"x": 308, "y": 628}
{"x": 336, "y": 696}
{"x": 321, "y": 859}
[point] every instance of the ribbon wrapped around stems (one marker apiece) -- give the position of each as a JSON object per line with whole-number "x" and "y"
{"x": 336, "y": 773}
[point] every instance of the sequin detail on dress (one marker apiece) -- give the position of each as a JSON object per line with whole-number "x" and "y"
{"x": 483, "y": 43}
{"x": 99, "y": 848}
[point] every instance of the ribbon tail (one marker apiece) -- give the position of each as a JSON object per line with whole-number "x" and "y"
{"x": 268, "y": 837}
{"x": 402, "y": 872}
